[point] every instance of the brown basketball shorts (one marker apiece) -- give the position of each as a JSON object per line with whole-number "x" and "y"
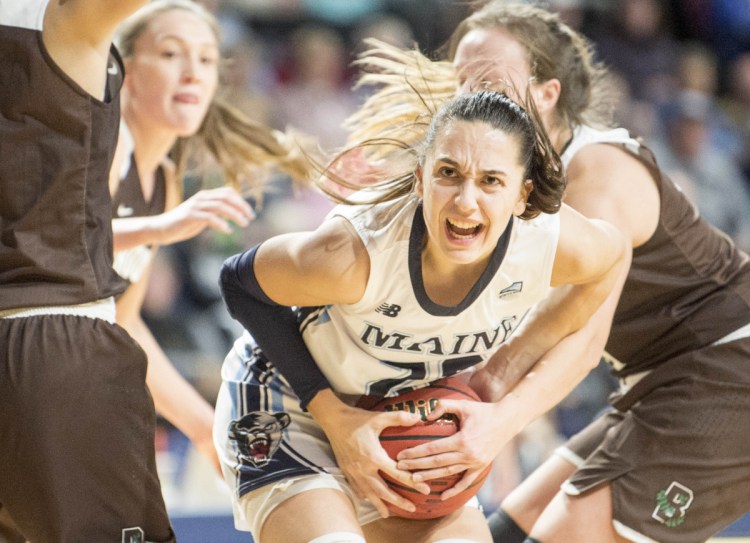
{"x": 675, "y": 449}
{"x": 77, "y": 422}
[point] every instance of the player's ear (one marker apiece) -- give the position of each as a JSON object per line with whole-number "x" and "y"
{"x": 419, "y": 185}
{"x": 546, "y": 95}
{"x": 523, "y": 197}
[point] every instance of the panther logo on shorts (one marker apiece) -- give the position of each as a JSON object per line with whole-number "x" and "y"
{"x": 258, "y": 436}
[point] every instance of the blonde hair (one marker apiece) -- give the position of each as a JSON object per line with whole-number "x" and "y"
{"x": 555, "y": 51}
{"x": 410, "y": 87}
{"x": 540, "y": 161}
{"x": 245, "y": 150}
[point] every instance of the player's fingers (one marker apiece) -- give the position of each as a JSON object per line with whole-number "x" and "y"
{"x": 404, "y": 478}
{"x": 435, "y": 461}
{"x": 444, "y": 407}
{"x": 396, "y": 418}
{"x": 238, "y": 203}
{"x": 227, "y": 212}
{"x": 373, "y": 490}
{"x": 431, "y": 448}
{"x": 224, "y": 201}
{"x": 437, "y": 473}
{"x": 218, "y": 224}
{"x": 385, "y": 493}
{"x": 470, "y": 476}
{"x": 356, "y": 487}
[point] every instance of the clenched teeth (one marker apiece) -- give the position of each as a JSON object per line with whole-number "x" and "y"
{"x": 463, "y": 229}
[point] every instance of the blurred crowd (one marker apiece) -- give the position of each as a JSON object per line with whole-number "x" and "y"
{"x": 683, "y": 73}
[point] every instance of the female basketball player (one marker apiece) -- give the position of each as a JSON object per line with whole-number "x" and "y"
{"x": 170, "y": 106}
{"x": 395, "y": 295}
{"x": 76, "y": 420}
{"x": 671, "y": 461}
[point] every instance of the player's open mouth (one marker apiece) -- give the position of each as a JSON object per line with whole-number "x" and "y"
{"x": 458, "y": 229}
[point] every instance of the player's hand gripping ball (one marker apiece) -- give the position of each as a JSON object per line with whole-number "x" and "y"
{"x": 394, "y": 439}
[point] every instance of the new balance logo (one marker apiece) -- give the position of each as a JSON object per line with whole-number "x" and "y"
{"x": 515, "y": 288}
{"x": 389, "y": 310}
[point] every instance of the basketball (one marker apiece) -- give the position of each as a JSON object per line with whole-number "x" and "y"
{"x": 397, "y": 438}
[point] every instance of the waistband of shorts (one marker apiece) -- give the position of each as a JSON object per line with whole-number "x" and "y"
{"x": 740, "y": 333}
{"x": 628, "y": 381}
{"x": 100, "y": 309}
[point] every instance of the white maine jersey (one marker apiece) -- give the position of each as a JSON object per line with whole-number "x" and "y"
{"x": 586, "y": 135}
{"x": 23, "y": 13}
{"x": 395, "y": 338}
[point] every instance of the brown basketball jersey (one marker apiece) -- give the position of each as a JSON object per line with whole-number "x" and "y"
{"x": 56, "y": 147}
{"x": 688, "y": 285}
{"x": 129, "y": 201}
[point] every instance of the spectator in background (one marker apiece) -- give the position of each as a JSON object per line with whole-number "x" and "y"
{"x": 717, "y": 185}
{"x": 730, "y": 28}
{"x": 171, "y": 113}
{"x": 387, "y": 28}
{"x": 698, "y": 71}
{"x": 317, "y": 98}
{"x": 736, "y": 106}
{"x": 697, "y": 68}
{"x": 639, "y": 31}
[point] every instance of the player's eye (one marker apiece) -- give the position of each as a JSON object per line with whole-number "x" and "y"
{"x": 447, "y": 171}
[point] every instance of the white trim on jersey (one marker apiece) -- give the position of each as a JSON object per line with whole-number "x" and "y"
{"x": 23, "y": 13}
{"x": 585, "y": 135}
{"x": 131, "y": 263}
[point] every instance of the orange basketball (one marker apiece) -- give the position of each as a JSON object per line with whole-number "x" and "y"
{"x": 397, "y": 438}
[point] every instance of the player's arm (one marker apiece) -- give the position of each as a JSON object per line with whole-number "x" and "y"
{"x": 78, "y": 33}
{"x": 259, "y": 286}
{"x": 328, "y": 266}
{"x": 606, "y": 183}
{"x": 209, "y": 208}
{"x": 591, "y": 258}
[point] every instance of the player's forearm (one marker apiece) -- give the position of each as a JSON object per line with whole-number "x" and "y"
{"x": 538, "y": 343}
{"x": 273, "y": 326}
{"x": 136, "y": 231}
{"x": 553, "y": 377}
{"x": 562, "y": 367}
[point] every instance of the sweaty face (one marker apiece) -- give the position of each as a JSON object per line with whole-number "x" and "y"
{"x": 173, "y": 73}
{"x": 492, "y": 59}
{"x": 471, "y": 183}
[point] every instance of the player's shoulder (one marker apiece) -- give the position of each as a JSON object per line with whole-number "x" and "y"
{"x": 609, "y": 166}
{"x": 609, "y": 181}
